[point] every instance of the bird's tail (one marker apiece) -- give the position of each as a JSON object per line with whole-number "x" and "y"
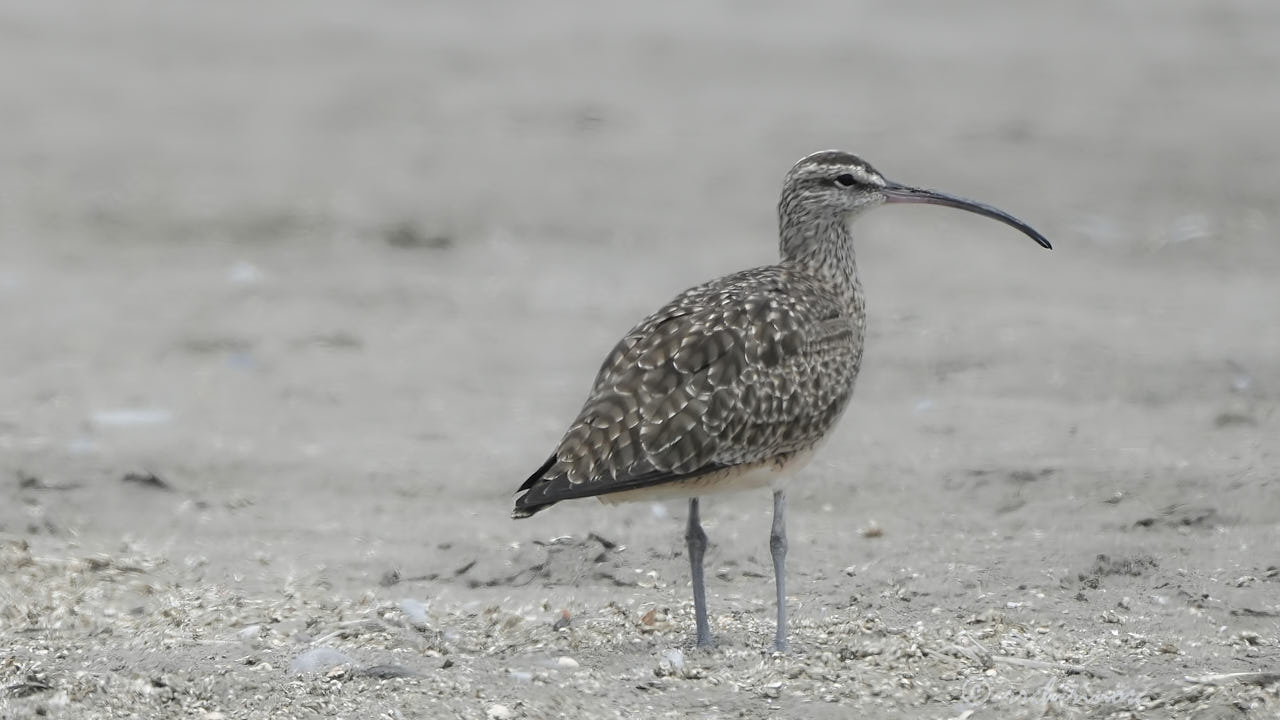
{"x": 525, "y": 504}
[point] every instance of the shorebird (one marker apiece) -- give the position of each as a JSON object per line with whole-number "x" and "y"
{"x": 735, "y": 383}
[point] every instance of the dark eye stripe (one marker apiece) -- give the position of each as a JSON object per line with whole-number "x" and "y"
{"x": 845, "y": 180}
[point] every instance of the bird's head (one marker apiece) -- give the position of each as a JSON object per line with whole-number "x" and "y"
{"x": 831, "y": 186}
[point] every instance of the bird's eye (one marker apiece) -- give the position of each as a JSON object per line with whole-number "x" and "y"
{"x": 845, "y": 180}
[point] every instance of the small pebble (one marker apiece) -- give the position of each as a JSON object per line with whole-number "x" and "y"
{"x": 415, "y": 612}
{"x": 674, "y": 659}
{"x": 387, "y": 672}
{"x": 1250, "y": 637}
{"x": 320, "y": 659}
{"x": 565, "y": 661}
{"x": 499, "y": 712}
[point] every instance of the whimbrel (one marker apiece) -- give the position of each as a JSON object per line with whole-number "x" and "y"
{"x": 735, "y": 383}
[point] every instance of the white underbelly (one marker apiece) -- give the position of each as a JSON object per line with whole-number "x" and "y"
{"x": 769, "y": 473}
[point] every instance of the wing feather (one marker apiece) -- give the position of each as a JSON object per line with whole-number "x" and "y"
{"x": 732, "y": 372}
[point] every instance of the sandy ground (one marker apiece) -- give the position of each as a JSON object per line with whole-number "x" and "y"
{"x": 293, "y": 296}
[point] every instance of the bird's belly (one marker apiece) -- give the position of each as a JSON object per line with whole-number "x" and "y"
{"x": 774, "y": 473}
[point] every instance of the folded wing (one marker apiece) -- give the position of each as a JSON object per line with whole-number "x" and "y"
{"x": 726, "y": 374}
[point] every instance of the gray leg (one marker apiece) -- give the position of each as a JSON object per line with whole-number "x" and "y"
{"x": 778, "y": 548}
{"x": 697, "y": 540}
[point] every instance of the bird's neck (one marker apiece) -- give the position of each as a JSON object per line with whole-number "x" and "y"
{"x": 822, "y": 247}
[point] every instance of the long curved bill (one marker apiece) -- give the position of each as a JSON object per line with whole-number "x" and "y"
{"x": 896, "y": 193}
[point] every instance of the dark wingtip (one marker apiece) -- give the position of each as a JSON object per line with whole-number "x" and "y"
{"x": 537, "y": 475}
{"x": 522, "y": 510}
{"x": 524, "y": 506}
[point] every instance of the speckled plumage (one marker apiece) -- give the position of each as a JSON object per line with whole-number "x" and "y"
{"x": 753, "y": 366}
{"x": 756, "y": 365}
{"x": 735, "y": 383}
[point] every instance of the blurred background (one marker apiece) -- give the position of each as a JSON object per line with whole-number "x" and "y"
{"x": 353, "y": 266}
{"x": 327, "y": 280}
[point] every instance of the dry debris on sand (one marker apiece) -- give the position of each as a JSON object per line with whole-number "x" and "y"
{"x": 137, "y": 635}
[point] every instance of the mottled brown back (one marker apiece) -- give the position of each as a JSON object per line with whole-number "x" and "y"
{"x": 753, "y": 366}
